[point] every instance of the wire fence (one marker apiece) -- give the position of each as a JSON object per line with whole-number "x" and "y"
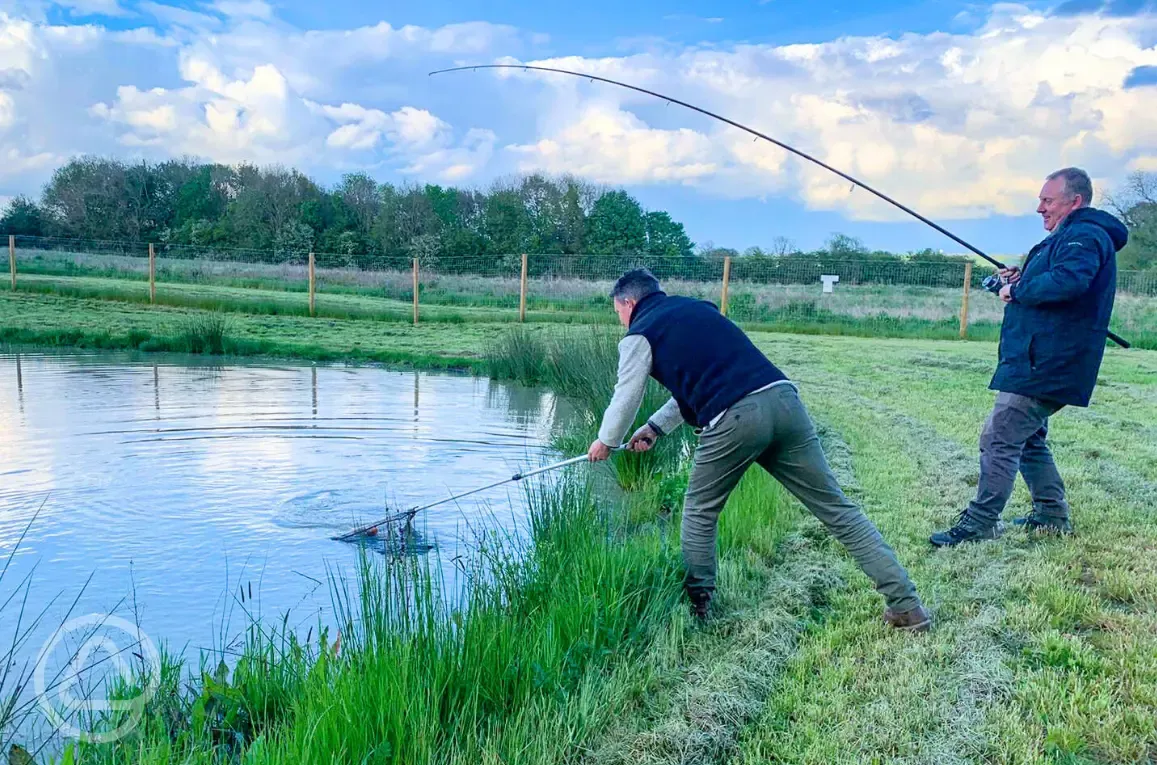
{"x": 817, "y": 293}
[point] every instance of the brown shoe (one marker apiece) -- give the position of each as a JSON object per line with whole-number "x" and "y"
{"x": 916, "y": 620}
{"x": 700, "y": 605}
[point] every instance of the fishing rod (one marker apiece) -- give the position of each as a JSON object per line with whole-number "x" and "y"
{"x": 991, "y": 283}
{"x": 371, "y": 528}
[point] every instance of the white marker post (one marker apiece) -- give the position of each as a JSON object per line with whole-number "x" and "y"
{"x": 829, "y": 280}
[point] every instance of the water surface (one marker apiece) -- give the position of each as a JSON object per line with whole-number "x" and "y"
{"x": 177, "y": 483}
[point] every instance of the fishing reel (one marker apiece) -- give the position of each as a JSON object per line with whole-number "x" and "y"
{"x": 992, "y": 283}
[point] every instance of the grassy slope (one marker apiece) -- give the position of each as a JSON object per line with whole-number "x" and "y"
{"x": 53, "y": 320}
{"x": 1044, "y": 649}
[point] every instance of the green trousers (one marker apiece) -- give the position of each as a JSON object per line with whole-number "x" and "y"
{"x": 773, "y": 428}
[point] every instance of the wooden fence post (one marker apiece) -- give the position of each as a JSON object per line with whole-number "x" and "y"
{"x": 152, "y": 274}
{"x": 312, "y": 285}
{"x": 415, "y": 291}
{"x": 726, "y": 283}
{"x": 522, "y": 292}
{"x": 12, "y": 258}
{"x": 964, "y": 300}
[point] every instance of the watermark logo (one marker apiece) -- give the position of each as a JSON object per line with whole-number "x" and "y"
{"x": 94, "y": 677}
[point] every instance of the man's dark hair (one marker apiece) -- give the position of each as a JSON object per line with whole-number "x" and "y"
{"x": 635, "y": 285}
{"x": 1076, "y": 182}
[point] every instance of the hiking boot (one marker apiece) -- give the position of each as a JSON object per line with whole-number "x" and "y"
{"x": 700, "y": 605}
{"x": 916, "y": 620}
{"x": 1045, "y": 524}
{"x": 966, "y": 530}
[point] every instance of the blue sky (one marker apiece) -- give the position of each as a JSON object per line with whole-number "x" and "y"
{"x": 957, "y": 109}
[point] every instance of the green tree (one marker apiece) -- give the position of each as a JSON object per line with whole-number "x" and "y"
{"x": 361, "y": 196}
{"x": 86, "y": 198}
{"x": 199, "y": 198}
{"x": 22, "y": 217}
{"x": 507, "y": 224}
{"x": 1136, "y": 204}
{"x": 844, "y": 246}
{"x": 616, "y": 226}
{"x": 572, "y": 218}
{"x": 267, "y": 201}
{"x": 665, "y": 237}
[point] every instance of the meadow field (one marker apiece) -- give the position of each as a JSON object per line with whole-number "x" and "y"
{"x": 577, "y": 647}
{"x": 915, "y": 300}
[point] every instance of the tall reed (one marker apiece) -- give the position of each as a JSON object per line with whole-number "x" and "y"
{"x": 582, "y": 366}
{"x": 205, "y": 332}
{"x": 422, "y": 677}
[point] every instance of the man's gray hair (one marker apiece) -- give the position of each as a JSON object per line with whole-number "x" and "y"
{"x": 1076, "y": 182}
{"x": 635, "y": 285}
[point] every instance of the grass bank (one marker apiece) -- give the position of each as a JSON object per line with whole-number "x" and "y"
{"x": 1043, "y": 652}
{"x": 385, "y": 296}
{"x": 98, "y": 324}
{"x": 555, "y": 641}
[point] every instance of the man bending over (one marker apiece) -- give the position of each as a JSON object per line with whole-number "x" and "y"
{"x": 746, "y": 411}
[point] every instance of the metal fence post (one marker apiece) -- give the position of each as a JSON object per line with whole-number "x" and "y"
{"x": 312, "y": 285}
{"x": 415, "y": 291}
{"x": 152, "y": 274}
{"x": 522, "y": 292}
{"x": 12, "y": 258}
{"x": 726, "y": 283}
{"x": 964, "y": 300}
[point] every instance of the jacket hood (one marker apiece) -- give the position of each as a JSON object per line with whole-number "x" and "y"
{"x": 1112, "y": 226}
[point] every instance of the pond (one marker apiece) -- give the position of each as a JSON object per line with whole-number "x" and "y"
{"x": 190, "y": 494}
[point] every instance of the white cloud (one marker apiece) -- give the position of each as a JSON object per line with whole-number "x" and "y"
{"x": 13, "y": 161}
{"x": 7, "y": 110}
{"x": 251, "y": 118}
{"x": 362, "y": 128}
{"x": 231, "y": 84}
{"x": 420, "y": 139}
{"x": 960, "y": 124}
{"x": 957, "y": 125}
{"x": 609, "y": 145}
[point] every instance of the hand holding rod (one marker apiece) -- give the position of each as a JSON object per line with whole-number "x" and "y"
{"x": 1112, "y": 336}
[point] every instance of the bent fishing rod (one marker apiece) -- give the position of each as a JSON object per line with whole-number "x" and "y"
{"x": 405, "y": 515}
{"x": 989, "y": 283}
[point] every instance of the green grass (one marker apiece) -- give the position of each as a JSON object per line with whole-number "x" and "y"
{"x": 517, "y": 673}
{"x": 863, "y": 310}
{"x": 1035, "y": 658}
{"x": 268, "y": 299}
{"x": 1044, "y": 650}
{"x": 581, "y": 365}
{"x": 553, "y": 640}
{"x": 68, "y": 322}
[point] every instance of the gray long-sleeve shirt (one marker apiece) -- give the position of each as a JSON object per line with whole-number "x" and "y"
{"x": 634, "y": 369}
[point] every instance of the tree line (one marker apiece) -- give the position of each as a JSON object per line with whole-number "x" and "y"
{"x": 280, "y": 210}
{"x": 360, "y": 222}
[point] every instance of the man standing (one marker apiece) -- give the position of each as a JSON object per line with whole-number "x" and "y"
{"x": 1056, "y": 319}
{"x": 747, "y": 411}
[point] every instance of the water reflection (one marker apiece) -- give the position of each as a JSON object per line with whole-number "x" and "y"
{"x": 240, "y": 478}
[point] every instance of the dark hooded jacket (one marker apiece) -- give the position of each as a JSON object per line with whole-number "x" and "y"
{"x": 1052, "y": 339}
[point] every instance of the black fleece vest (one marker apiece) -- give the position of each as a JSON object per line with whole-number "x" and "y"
{"x": 699, "y": 355}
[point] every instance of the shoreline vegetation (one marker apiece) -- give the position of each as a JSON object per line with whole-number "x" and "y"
{"x": 576, "y": 647}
